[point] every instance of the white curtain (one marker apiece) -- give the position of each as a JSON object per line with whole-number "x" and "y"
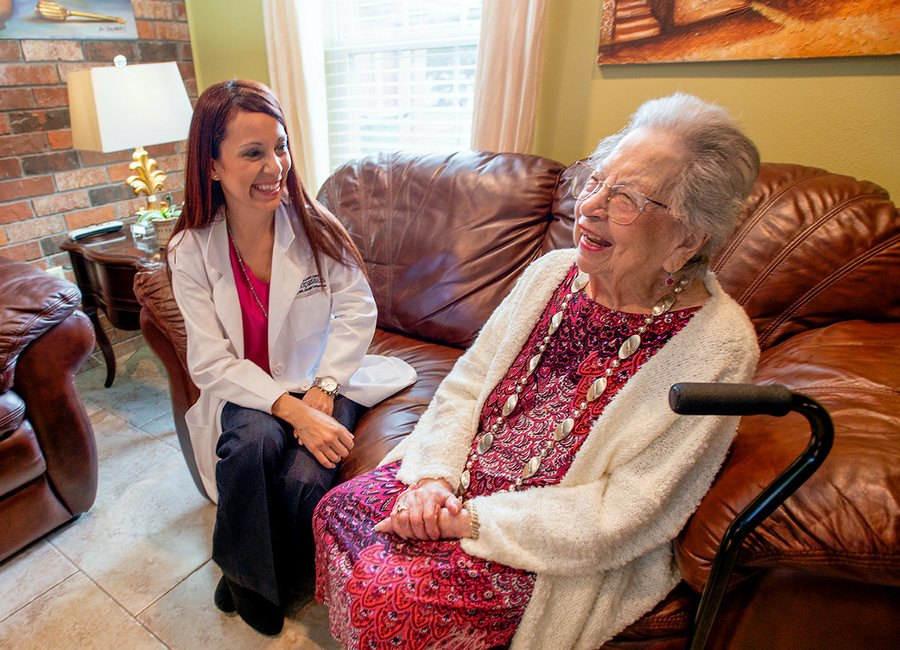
{"x": 297, "y": 76}
{"x": 507, "y": 76}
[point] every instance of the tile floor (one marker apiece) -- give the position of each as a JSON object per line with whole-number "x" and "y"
{"x": 134, "y": 571}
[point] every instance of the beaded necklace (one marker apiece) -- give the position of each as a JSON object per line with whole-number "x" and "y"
{"x": 564, "y": 427}
{"x": 240, "y": 260}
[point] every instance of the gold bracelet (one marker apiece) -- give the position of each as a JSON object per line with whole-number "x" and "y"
{"x": 473, "y": 518}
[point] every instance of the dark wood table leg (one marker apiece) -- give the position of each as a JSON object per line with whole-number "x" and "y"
{"x": 89, "y": 305}
{"x": 105, "y": 346}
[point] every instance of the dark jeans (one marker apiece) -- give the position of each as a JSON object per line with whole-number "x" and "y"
{"x": 268, "y": 488}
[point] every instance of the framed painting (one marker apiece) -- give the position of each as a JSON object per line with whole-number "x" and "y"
{"x": 67, "y": 19}
{"x": 652, "y": 31}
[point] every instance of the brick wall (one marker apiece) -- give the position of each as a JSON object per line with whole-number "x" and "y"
{"x": 46, "y": 187}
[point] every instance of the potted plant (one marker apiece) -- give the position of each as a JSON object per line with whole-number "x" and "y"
{"x": 163, "y": 221}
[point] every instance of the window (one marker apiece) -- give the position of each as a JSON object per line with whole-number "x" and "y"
{"x": 400, "y": 74}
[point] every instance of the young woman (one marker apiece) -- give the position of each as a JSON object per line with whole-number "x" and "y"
{"x": 278, "y": 315}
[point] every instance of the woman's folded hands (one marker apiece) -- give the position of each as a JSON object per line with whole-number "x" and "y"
{"x": 428, "y": 510}
{"x": 325, "y": 438}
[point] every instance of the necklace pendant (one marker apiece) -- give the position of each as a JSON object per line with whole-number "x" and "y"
{"x": 485, "y": 442}
{"x": 596, "y": 389}
{"x": 465, "y": 479}
{"x": 630, "y": 346}
{"x": 509, "y": 405}
{"x": 555, "y": 323}
{"x": 563, "y": 429}
{"x": 580, "y": 282}
{"x": 663, "y": 305}
{"x": 531, "y": 467}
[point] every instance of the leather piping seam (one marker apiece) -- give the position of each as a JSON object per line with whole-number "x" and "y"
{"x": 759, "y": 212}
{"x": 795, "y": 243}
{"x": 830, "y": 279}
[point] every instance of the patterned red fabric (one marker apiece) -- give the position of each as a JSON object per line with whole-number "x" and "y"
{"x": 384, "y": 592}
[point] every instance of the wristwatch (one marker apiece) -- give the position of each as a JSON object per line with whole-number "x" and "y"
{"x": 327, "y": 385}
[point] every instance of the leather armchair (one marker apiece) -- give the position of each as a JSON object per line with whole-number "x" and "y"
{"x": 814, "y": 262}
{"x": 48, "y": 457}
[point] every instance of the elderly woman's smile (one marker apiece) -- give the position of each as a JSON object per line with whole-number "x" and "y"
{"x": 591, "y": 241}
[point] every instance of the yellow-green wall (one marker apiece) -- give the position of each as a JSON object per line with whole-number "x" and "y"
{"x": 842, "y": 114}
{"x": 228, "y": 40}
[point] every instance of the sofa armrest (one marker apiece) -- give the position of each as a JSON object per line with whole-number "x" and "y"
{"x": 45, "y": 379}
{"x": 845, "y": 521}
{"x": 31, "y": 302}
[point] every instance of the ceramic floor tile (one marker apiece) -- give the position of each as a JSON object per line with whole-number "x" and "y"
{"x": 74, "y": 614}
{"x": 140, "y": 392}
{"x": 186, "y": 619}
{"x": 314, "y": 617}
{"x": 162, "y": 428}
{"x": 29, "y": 573}
{"x": 124, "y": 452}
{"x": 142, "y": 538}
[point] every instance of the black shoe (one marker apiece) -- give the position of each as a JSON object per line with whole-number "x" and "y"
{"x": 222, "y": 598}
{"x": 259, "y": 613}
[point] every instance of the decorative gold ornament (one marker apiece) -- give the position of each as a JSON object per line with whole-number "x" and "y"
{"x": 148, "y": 180}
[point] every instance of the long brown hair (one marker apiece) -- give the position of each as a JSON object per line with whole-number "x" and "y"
{"x": 203, "y": 197}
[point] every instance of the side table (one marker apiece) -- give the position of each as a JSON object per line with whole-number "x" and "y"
{"x": 104, "y": 267}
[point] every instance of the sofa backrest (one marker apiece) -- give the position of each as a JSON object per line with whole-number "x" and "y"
{"x": 813, "y": 248}
{"x": 445, "y": 236}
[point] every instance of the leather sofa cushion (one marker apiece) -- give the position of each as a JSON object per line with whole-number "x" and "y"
{"x": 381, "y": 429}
{"x": 33, "y": 302}
{"x": 21, "y": 459}
{"x": 845, "y": 520}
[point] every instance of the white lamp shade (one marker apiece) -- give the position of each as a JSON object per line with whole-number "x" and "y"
{"x": 114, "y": 108}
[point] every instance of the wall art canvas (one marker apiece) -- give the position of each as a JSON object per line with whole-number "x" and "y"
{"x": 651, "y": 31}
{"x": 67, "y": 19}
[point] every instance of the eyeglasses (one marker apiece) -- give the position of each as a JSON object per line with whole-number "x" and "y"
{"x": 623, "y": 204}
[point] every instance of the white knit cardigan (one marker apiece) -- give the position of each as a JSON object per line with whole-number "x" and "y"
{"x": 600, "y": 541}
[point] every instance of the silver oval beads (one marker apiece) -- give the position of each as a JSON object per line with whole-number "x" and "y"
{"x": 485, "y": 442}
{"x": 563, "y": 429}
{"x": 509, "y": 405}
{"x": 596, "y": 389}
{"x": 555, "y": 322}
{"x": 580, "y": 282}
{"x": 630, "y": 346}
{"x": 531, "y": 467}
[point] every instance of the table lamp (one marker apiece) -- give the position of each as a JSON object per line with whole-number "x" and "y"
{"x": 123, "y": 106}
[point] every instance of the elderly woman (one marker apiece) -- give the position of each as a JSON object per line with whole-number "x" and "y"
{"x": 537, "y": 498}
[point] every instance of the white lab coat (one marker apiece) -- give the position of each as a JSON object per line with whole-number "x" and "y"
{"x": 311, "y": 332}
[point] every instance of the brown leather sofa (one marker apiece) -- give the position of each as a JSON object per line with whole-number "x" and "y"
{"x": 816, "y": 264}
{"x": 48, "y": 457}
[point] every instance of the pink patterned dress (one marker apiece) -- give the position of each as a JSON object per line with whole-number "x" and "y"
{"x": 384, "y": 592}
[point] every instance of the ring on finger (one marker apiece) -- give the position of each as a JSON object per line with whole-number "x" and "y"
{"x": 401, "y": 507}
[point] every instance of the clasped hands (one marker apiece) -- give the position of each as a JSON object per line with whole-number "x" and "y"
{"x": 314, "y": 428}
{"x": 428, "y": 510}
